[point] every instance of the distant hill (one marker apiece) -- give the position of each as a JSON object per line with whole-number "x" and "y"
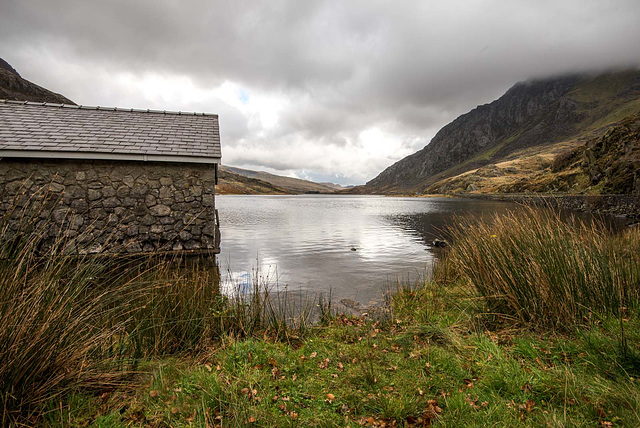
{"x": 230, "y": 183}
{"x": 515, "y": 140}
{"x": 14, "y": 87}
{"x": 289, "y": 184}
{"x": 334, "y": 186}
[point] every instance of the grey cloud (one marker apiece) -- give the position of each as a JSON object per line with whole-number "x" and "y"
{"x": 410, "y": 66}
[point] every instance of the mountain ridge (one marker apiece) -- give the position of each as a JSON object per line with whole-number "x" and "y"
{"x": 15, "y": 87}
{"x": 537, "y": 113}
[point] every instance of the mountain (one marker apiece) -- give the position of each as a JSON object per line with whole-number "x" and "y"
{"x": 289, "y": 184}
{"x": 231, "y": 183}
{"x": 5, "y": 65}
{"x": 14, "y": 87}
{"x": 334, "y": 186}
{"x": 518, "y": 135}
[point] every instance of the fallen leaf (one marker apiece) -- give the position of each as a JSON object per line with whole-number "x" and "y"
{"x": 468, "y": 382}
{"x": 154, "y": 393}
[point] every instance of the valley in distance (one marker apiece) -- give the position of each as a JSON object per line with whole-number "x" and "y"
{"x": 570, "y": 135}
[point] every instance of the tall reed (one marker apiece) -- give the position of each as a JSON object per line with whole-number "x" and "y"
{"x": 543, "y": 269}
{"x": 52, "y": 314}
{"x": 70, "y": 321}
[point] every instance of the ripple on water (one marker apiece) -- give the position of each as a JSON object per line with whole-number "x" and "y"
{"x": 304, "y": 242}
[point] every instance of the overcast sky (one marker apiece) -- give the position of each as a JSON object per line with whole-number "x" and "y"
{"x": 327, "y": 90}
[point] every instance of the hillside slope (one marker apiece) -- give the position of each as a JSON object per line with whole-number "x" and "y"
{"x": 230, "y": 183}
{"x": 14, "y": 87}
{"x": 607, "y": 164}
{"x": 290, "y": 184}
{"x": 540, "y": 117}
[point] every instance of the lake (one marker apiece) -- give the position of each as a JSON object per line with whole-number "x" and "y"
{"x": 355, "y": 247}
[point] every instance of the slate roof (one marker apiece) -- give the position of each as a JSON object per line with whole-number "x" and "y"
{"x": 29, "y": 129}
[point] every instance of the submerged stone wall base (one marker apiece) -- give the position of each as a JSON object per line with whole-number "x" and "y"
{"x": 112, "y": 207}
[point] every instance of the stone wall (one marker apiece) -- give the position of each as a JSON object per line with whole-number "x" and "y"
{"x": 113, "y": 207}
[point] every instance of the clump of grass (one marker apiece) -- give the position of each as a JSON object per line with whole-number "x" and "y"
{"x": 70, "y": 322}
{"x": 533, "y": 265}
{"x": 179, "y": 310}
{"x": 265, "y": 309}
{"x": 52, "y": 317}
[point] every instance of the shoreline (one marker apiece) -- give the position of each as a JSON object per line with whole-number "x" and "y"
{"x": 627, "y": 206}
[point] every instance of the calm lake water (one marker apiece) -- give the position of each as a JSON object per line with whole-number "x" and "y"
{"x": 304, "y": 243}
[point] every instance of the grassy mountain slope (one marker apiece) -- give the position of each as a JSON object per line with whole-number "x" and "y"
{"x": 519, "y": 134}
{"x": 14, "y": 87}
{"x": 230, "y": 183}
{"x": 291, "y": 185}
{"x": 608, "y": 164}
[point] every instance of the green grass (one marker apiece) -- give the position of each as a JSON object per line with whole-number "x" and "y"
{"x": 445, "y": 353}
{"x": 445, "y": 367}
{"x": 82, "y": 323}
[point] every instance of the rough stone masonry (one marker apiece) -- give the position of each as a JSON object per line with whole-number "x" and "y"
{"x": 108, "y": 180}
{"x": 105, "y": 206}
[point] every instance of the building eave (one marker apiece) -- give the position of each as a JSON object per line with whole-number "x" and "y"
{"x": 131, "y": 157}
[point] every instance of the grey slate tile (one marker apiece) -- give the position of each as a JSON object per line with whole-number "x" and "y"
{"x": 34, "y": 126}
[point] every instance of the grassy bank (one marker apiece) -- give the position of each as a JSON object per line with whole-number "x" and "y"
{"x": 528, "y": 321}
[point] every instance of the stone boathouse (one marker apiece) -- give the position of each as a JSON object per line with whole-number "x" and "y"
{"x": 111, "y": 180}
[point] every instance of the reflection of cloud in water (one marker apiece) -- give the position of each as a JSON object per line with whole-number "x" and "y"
{"x": 304, "y": 242}
{"x": 240, "y": 282}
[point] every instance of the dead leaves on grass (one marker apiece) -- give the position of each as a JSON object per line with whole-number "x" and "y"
{"x": 430, "y": 414}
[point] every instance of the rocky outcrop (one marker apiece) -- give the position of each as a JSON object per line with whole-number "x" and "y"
{"x": 530, "y": 114}
{"x": 5, "y": 65}
{"x": 613, "y": 161}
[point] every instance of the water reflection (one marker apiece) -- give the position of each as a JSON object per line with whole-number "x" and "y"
{"x": 304, "y": 243}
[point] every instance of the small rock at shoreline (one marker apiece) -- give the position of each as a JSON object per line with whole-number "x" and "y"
{"x": 439, "y": 243}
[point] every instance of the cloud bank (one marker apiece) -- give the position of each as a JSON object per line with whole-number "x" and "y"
{"x": 328, "y": 90}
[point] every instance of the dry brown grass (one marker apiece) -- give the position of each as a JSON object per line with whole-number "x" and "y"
{"x": 541, "y": 269}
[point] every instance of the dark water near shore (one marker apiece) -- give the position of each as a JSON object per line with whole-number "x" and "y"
{"x": 304, "y": 243}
